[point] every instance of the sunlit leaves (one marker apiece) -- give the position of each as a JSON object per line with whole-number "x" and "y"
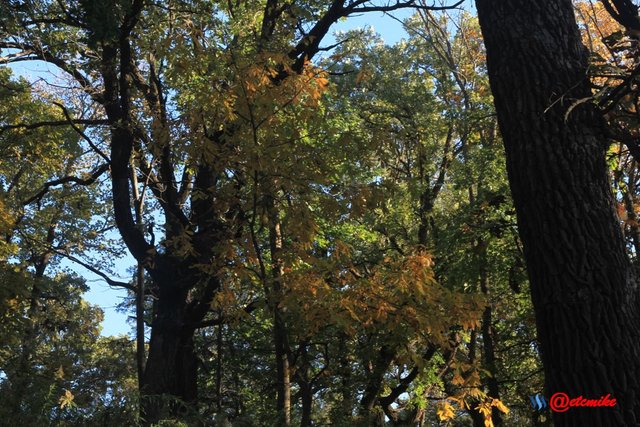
{"x": 67, "y": 400}
{"x": 445, "y": 411}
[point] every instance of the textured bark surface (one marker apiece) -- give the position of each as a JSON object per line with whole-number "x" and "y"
{"x": 171, "y": 367}
{"x": 581, "y": 284}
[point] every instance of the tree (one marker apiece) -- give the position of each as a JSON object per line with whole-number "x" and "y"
{"x": 582, "y": 284}
{"x": 55, "y": 367}
{"x": 187, "y": 89}
{"x": 426, "y": 105}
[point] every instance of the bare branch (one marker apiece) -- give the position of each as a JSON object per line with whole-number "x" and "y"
{"x": 34, "y": 52}
{"x": 110, "y": 281}
{"x": 403, "y": 5}
{"x": 81, "y": 133}
{"x": 249, "y": 308}
{"x": 36, "y": 125}
{"x": 79, "y": 181}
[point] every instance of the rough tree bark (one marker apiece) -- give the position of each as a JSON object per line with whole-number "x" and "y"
{"x": 581, "y": 281}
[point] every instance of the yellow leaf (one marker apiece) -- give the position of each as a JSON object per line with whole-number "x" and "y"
{"x": 445, "y": 411}
{"x": 66, "y": 399}
{"x": 457, "y": 379}
{"x": 59, "y": 374}
{"x": 501, "y": 407}
{"x": 484, "y": 409}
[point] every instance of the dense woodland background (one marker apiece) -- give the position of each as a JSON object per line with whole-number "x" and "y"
{"x": 323, "y": 228}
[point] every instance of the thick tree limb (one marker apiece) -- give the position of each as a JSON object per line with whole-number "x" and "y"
{"x": 625, "y": 13}
{"x": 309, "y": 46}
{"x": 269, "y": 19}
{"x": 117, "y": 105}
{"x": 406, "y": 381}
{"x": 403, "y": 5}
{"x": 152, "y": 92}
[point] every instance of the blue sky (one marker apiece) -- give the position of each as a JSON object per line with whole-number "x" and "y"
{"x": 108, "y": 298}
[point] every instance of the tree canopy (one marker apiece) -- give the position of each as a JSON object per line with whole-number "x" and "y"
{"x": 323, "y": 227}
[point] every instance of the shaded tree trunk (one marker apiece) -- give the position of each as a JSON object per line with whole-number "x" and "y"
{"x": 219, "y": 355}
{"x": 170, "y": 386}
{"x": 489, "y": 341}
{"x": 306, "y": 387}
{"x": 347, "y": 401}
{"x": 488, "y": 345}
{"x": 306, "y": 396}
{"x": 170, "y": 376}
{"x": 584, "y": 302}
{"x": 139, "y": 284}
{"x": 283, "y": 372}
{"x": 375, "y": 380}
{"x": 280, "y": 339}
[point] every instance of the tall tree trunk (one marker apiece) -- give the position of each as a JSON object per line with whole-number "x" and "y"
{"x": 488, "y": 344}
{"x": 347, "y": 401}
{"x": 306, "y": 396}
{"x": 586, "y": 310}
{"x": 476, "y": 417}
{"x": 280, "y": 340}
{"x": 306, "y": 387}
{"x": 219, "y": 352}
{"x": 140, "y": 341}
{"x": 169, "y": 383}
{"x": 488, "y": 340}
{"x": 170, "y": 376}
{"x": 283, "y": 372}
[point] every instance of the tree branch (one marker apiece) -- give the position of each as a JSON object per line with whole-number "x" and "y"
{"x": 406, "y": 381}
{"x": 309, "y": 45}
{"x": 36, "y": 125}
{"x": 79, "y": 181}
{"x": 625, "y": 13}
{"x": 81, "y": 133}
{"x": 118, "y": 108}
{"x": 42, "y": 54}
{"x": 110, "y": 281}
{"x": 249, "y": 308}
{"x": 403, "y": 5}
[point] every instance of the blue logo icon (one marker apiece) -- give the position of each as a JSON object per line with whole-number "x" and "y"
{"x": 538, "y": 402}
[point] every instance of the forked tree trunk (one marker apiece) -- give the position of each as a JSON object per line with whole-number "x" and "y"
{"x": 581, "y": 282}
